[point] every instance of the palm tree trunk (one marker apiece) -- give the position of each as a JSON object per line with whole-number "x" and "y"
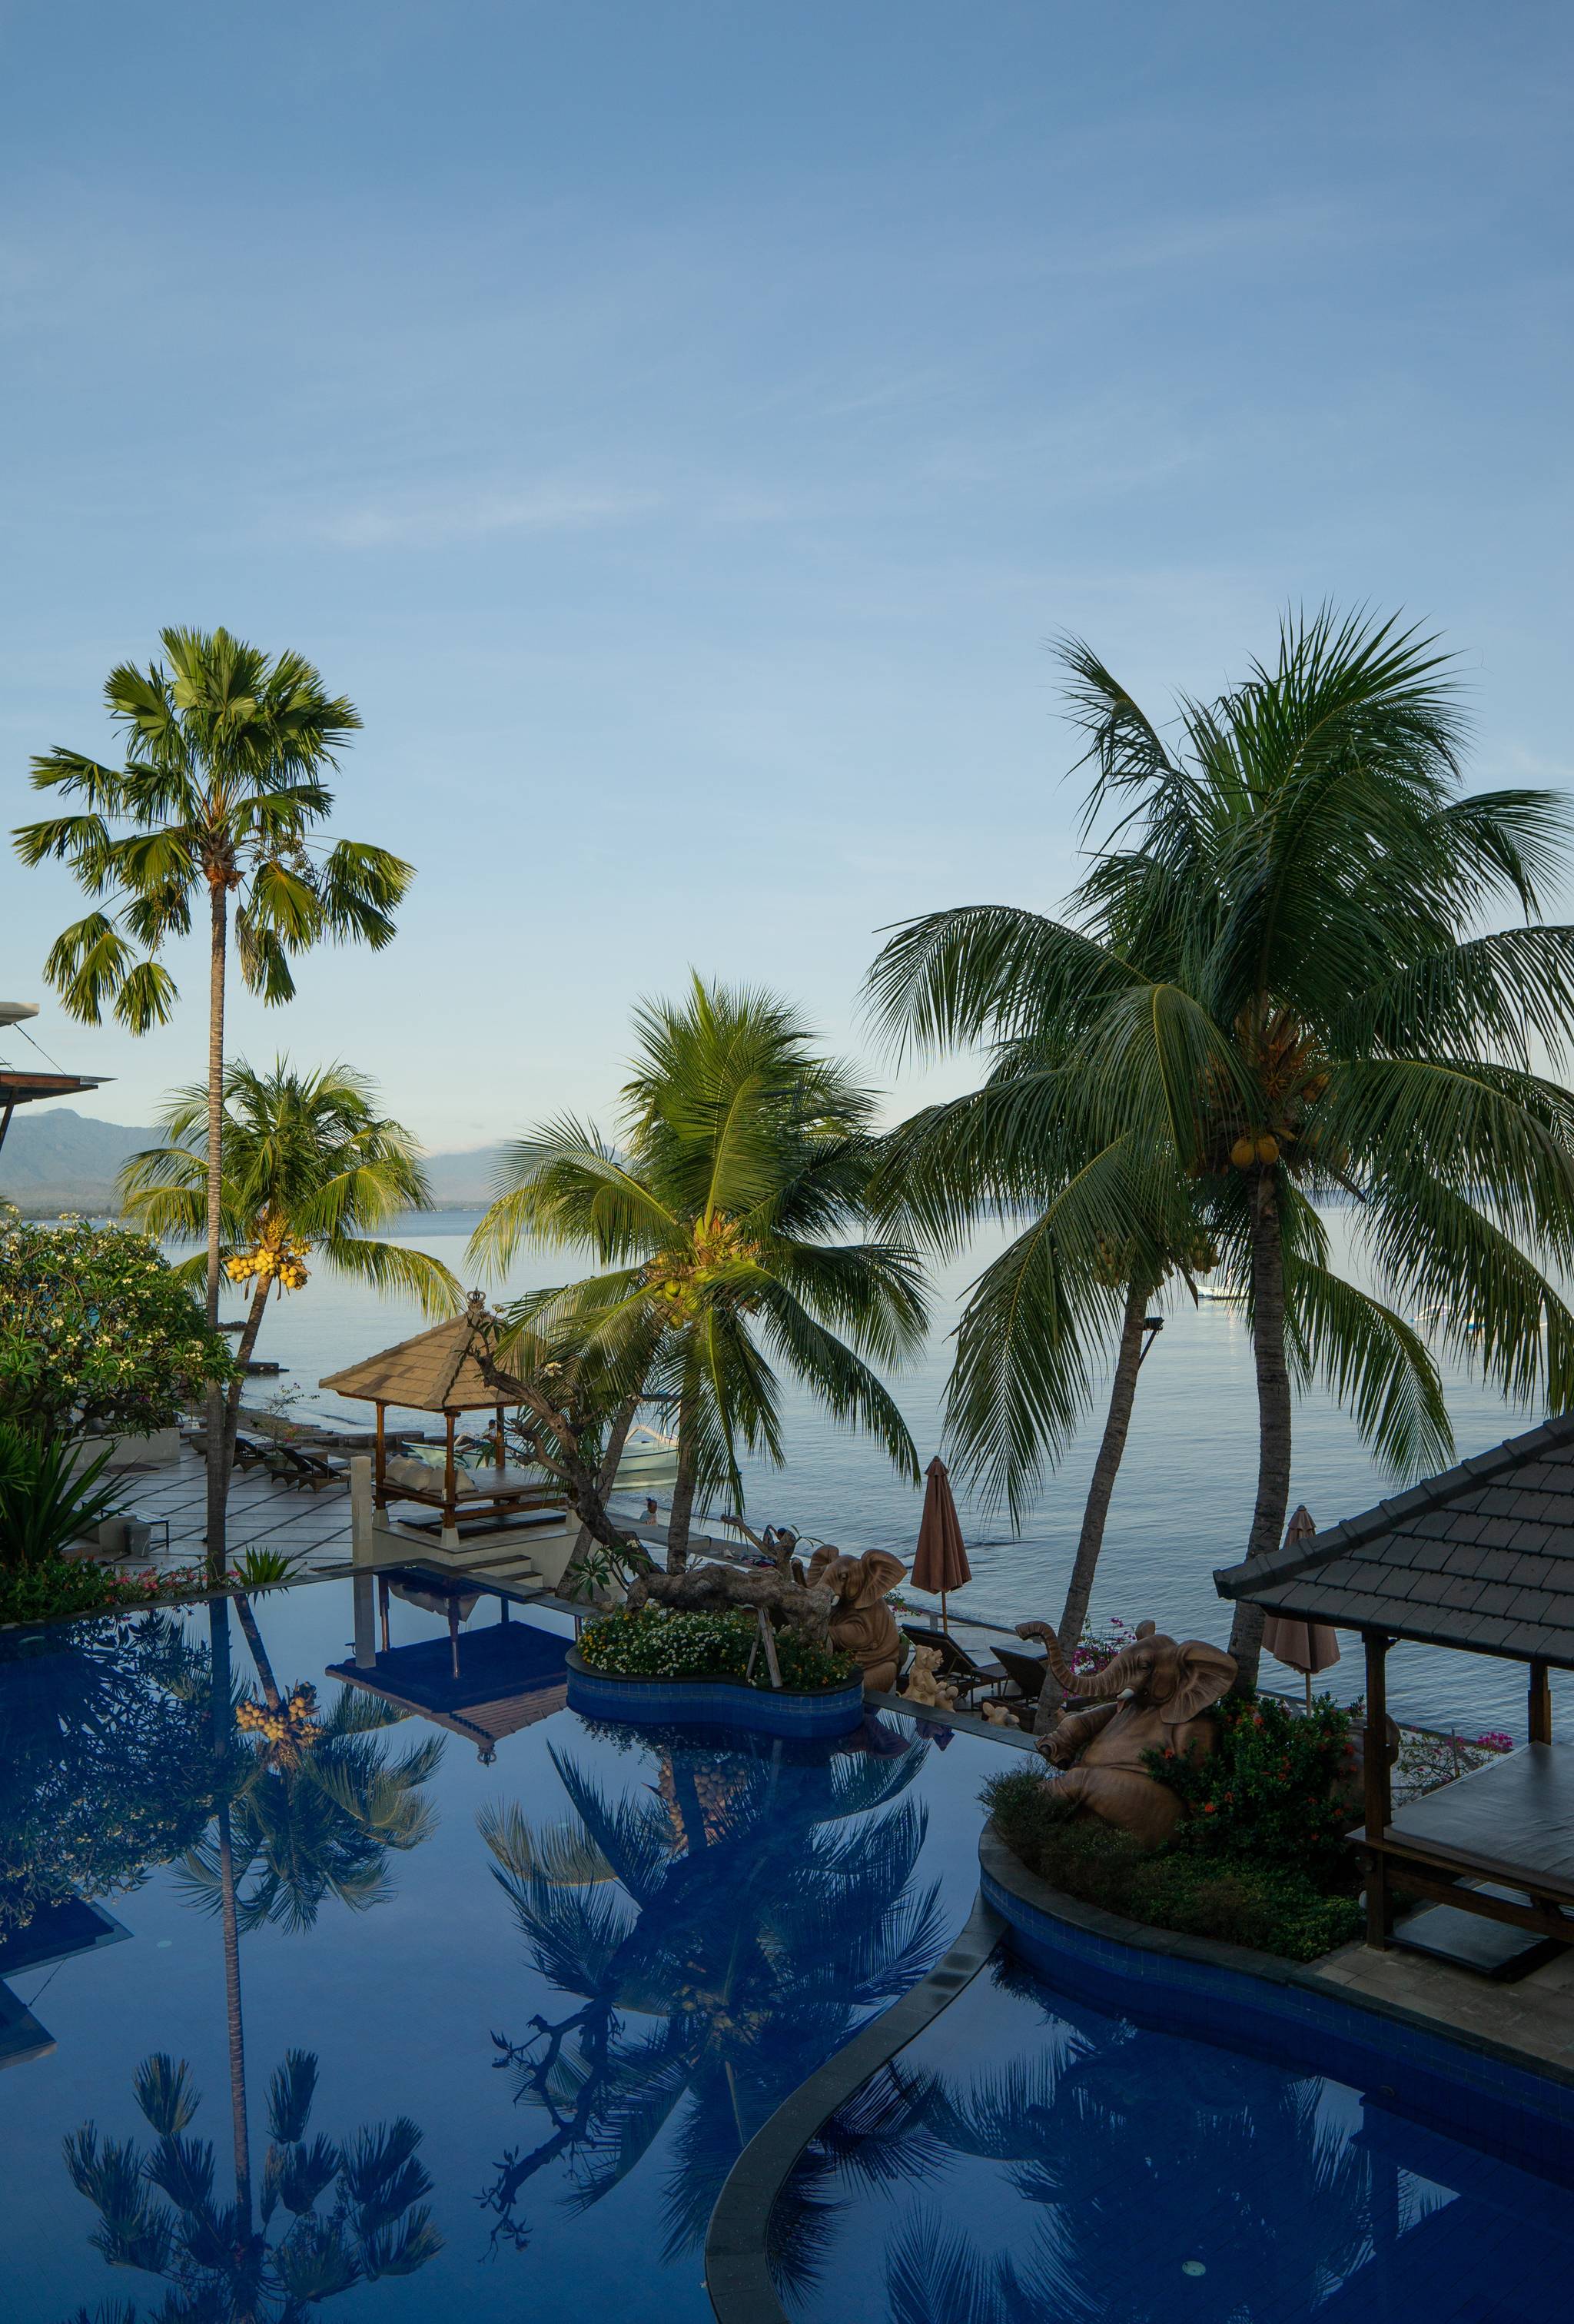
{"x": 217, "y": 1433}
{"x": 1096, "y": 1510}
{"x": 244, "y": 1346}
{"x": 219, "y": 1630}
{"x": 1273, "y": 1412}
{"x": 606, "y": 1478}
{"x": 259, "y": 1651}
{"x": 683, "y": 1491}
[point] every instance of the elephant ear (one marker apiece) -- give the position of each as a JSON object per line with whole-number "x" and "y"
{"x": 1206, "y": 1673}
{"x": 879, "y": 1572}
{"x": 823, "y": 1558}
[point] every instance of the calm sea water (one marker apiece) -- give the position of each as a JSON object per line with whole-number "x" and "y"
{"x": 1182, "y": 1504}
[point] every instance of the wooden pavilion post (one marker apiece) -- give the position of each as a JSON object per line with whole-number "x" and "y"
{"x": 501, "y": 1452}
{"x": 450, "y": 1482}
{"x": 380, "y": 1494}
{"x": 1378, "y": 1802}
{"x": 1541, "y": 1704}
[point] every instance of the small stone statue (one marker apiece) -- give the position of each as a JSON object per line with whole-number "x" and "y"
{"x": 863, "y": 1624}
{"x": 1153, "y": 1696}
{"x": 925, "y": 1685}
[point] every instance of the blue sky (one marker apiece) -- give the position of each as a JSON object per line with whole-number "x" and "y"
{"x": 678, "y": 426}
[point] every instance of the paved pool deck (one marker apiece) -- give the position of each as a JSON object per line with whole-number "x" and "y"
{"x": 1533, "y": 2018}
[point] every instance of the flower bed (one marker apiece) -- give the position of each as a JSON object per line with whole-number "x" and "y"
{"x": 651, "y": 1643}
{"x": 654, "y": 1668}
{"x": 64, "y": 1589}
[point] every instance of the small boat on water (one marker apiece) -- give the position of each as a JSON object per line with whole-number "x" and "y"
{"x": 649, "y": 1459}
{"x": 1224, "y": 1292}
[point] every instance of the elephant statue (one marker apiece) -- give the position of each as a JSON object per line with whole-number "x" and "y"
{"x": 861, "y": 1624}
{"x": 1153, "y": 1696}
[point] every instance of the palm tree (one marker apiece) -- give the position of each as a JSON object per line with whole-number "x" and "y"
{"x": 701, "y": 1907}
{"x": 1103, "y": 1226}
{"x": 308, "y": 1166}
{"x": 742, "y": 1152}
{"x": 157, "y": 2210}
{"x": 1278, "y": 981}
{"x": 222, "y": 789}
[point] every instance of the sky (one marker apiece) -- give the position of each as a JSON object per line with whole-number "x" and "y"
{"x": 680, "y": 426}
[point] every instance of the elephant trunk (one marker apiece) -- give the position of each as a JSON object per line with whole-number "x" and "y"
{"x": 1098, "y": 1686}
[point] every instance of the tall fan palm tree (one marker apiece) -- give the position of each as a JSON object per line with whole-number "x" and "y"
{"x": 741, "y": 1153}
{"x": 222, "y": 791}
{"x": 308, "y": 1164}
{"x": 1278, "y": 977}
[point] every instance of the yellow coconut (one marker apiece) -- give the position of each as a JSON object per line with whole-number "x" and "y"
{"x": 1242, "y": 1153}
{"x": 1267, "y": 1148}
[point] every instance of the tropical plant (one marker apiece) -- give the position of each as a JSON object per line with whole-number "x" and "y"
{"x": 1103, "y": 1225}
{"x": 742, "y": 1152}
{"x": 348, "y": 2212}
{"x": 266, "y": 1569}
{"x": 654, "y": 1642}
{"x": 698, "y": 1911}
{"x": 221, "y": 789}
{"x": 105, "y": 1762}
{"x": 49, "y": 1498}
{"x": 99, "y": 1337}
{"x": 1275, "y": 980}
{"x": 309, "y": 1165}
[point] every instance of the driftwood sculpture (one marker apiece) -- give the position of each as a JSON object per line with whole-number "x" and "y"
{"x": 1153, "y": 1696}
{"x": 863, "y": 1624}
{"x": 785, "y": 1604}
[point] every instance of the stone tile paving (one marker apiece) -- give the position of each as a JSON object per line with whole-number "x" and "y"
{"x": 312, "y": 1526}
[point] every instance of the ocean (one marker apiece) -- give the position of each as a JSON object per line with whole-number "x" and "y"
{"x": 1182, "y": 1504}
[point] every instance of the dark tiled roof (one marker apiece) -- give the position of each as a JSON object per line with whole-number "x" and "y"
{"x": 1481, "y": 1557}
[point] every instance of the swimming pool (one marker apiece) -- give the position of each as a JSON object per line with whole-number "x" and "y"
{"x": 1031, "y": 2156}
{"x": 435, "y": 1999}
{"x": 531, "y": 1984}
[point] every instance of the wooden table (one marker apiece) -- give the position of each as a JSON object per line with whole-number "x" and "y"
{"x": 1511, "y": 1823}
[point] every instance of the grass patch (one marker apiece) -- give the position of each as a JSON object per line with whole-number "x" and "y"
{"x": 1275, "y": 1908}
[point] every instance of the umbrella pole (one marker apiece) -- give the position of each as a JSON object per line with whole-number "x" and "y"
{"x": 944, "y": 1617}
{"x": 1308, "y": 1694}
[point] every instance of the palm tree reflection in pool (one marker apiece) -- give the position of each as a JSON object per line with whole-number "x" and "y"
{"x": 332, "y": 2216}
{"x": 1150, "y": 2159}
{"x": 737, "y": 1912}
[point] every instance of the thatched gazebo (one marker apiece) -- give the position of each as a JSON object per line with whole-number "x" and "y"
{"x": 451, "y": 1370}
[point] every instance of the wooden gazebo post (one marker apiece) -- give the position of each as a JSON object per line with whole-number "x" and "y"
{"x": 380, "y": 1494}
{"x": 1539, "y": 1722}
{"x": 1379, "y": 1801}
{"x": 450, "y": 1481}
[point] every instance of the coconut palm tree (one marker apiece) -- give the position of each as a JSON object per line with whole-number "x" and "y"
{"x": 1102, "y": 1225}
{"x": 699, "y": 1909}
{"x": 741, "y": 1154}
{"x": 1279, "y": 976}
{"x": 221, "y": 791}
{"x": 308, "y": 1166}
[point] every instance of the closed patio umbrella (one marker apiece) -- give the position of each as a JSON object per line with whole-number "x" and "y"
{"x": 940, "y": 1562}
{"x": 1307, "y": 1646}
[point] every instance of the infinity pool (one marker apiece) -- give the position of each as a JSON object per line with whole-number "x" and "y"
{"x": 504, "y": 1995}
{"x": 426, "y": 1997}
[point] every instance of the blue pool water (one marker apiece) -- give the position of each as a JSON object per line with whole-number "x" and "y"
{"x": 584, "y": 1965}
{"x": 1030, "y": 2156}
{"x": 475, "y": 2004}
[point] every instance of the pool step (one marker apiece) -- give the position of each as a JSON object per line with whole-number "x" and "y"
{"x": 503, "y": 1563}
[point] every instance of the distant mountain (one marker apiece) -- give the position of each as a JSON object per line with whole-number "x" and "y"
{"x": 59, "y": 1160}
{"x": 56, "y": 1160}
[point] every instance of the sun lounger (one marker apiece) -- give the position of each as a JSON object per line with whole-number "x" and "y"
{"x": 288, "y": 1464}
{"x": 1028, "y": 1672}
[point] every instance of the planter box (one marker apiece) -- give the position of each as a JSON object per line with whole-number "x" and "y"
{"x": 712, "y": 1703}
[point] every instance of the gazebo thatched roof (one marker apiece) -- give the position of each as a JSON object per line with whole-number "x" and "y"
{"x": 449, "y": 1368}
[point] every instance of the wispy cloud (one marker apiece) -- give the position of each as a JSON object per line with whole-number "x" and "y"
{"x": 432, "y": 516}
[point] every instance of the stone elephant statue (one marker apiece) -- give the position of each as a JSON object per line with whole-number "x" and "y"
{"x": 1155, "y": 1695}
{"x": 861, "y": 1624}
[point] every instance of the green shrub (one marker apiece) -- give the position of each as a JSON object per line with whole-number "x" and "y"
{"x": 651, "y": 1643}
{"x": 59, "y": 1588}
{"x": 1277, "y": 1788}
{"x": 49, "y": 1498}
{"x": 1272, "y": 1907}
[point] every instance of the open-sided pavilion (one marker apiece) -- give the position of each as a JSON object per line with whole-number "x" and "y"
{"x": 1480, "y": 1560}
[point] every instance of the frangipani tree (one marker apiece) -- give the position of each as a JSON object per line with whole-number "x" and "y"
{"x": 215, "y": 811}
{"x": 1282, "y": 976}
{"x": 716, "y": 1217}
{"x": 308, "y": 1166}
